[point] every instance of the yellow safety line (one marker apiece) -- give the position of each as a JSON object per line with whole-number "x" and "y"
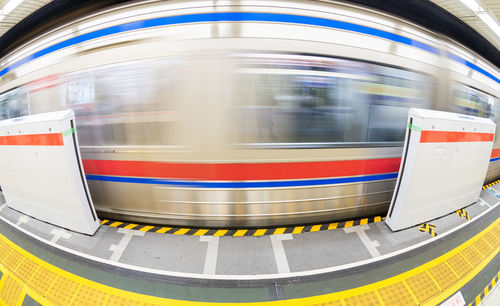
{"x": 370, "y": 288}
{"x": 163, "y": 230}
{"x": 240, "y": 233}
{"x": 316, "y": 228}
{"x": 279, "y": 231}
{"x": 333, "y": 225}
{"x": 201, "y": 232}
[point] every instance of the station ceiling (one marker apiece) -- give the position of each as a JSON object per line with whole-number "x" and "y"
{"x": 18, "y": 13}
{"x": 467, "y": 15}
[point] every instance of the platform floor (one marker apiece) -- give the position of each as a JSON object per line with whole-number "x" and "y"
{"x": 41, "y": 263}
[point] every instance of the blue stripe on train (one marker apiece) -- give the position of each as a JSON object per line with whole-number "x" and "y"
{"x": 232, "y": 184}
{"x": 215, "y": 17}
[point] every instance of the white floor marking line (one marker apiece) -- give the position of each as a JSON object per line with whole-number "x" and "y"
{"x": 370, "y": 245}
{"x": 212, "y": 251}
{"x": 483, "y": 203}
{"x": 119, "y": 248}
{"x": 248, "y": 276}
{"x": 58, "y": 234}
{"x": 3, "y": 206}
{"x": 22, "y": 219}
{"x": 279, "y": 252}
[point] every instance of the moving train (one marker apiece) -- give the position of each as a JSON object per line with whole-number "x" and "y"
{"x": 244, "y": 113}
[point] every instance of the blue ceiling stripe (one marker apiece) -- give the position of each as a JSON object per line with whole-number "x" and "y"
{"x": 214, "y": 17}
{"x": 233, "y": 184}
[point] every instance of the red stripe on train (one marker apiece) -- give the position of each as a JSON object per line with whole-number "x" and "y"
{"x": 446, "y": 136}
{"x": 495, "y": 153}
{"x": 242, "y": 171}
{"x": 53, "y": 139}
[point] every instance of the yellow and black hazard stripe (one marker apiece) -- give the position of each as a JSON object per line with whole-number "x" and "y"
{"x": 428, "y": 228}
{"x": 240, "y": 232}
{"x": 463, "y": 214}
{"x": 491, "y": 184}
{"x": 480, "y": 297}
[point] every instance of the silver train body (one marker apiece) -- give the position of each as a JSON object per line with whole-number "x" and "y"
{"x": 244, "y": 113}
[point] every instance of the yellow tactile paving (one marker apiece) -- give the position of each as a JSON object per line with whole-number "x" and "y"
{"x": 491, "y": 239}
{"x": 369, "y": 298}
{"x": 13, "y": 260}
{"x": 332, "y": 303}
{"x": 482, "y": 247}
{"x": 443, "y": 275}
{"x": 425, "y": 284}
{"x": 88, "y": 296}
{"x": 41, "y": 280}
{"x": 26, "y": 270}
{"x": 62, "y": 291}
{"x": 115, "y": 300}
{"x": 396, "y": 294}
{"x": 11, "y": 290}
{"x": 472, "y": 256}
{"x": 4, "y": 251}
{"x": 422, "y": 286}
{"x": 459, "y": 264}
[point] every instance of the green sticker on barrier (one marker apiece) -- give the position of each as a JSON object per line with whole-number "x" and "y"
{"x": 68, "y": 132}
{"x": 414, "y": 127}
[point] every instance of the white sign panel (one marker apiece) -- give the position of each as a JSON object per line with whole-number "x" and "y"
{"x": 444, "y": 163}
{"x": 41, "y": 172}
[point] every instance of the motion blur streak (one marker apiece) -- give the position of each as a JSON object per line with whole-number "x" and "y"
{"x": 244, "y": 114}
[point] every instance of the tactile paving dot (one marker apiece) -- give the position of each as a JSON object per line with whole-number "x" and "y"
{"x": 496, "y": 231}
{"x": 89, "y": 296}
{"x": 62, "y": 291}
{"x": 121, "y": 301}
{"x": 491, "y": 239}
{"x": 10, "y": 291}
{"x": 459, "y": 264}
{"x": 13, "y": 260}
{"x": 483, "y": 248}
{"x": 443, "y": 275}
{"x": 472, "y": 256}
{"x": 41, "y": 280}
{"x": 396, "y": 294}
{"x": 332, "y": 303}
{"x": 422, "y": 286}
{"x": 4, "y": 250}
{"x": 369, "y": 298}
{"x": 26, "y": 270}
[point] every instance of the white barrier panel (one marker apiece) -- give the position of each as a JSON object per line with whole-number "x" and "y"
{"x": 444, "y": 163}
{"x": 41, "y": 172}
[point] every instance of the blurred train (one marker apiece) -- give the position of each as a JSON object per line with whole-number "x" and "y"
{"x": 244, "y": 113}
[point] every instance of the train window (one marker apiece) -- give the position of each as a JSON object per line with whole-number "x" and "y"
{"x": 292, "y": 99}
{"x": 124, "y": 104}
{"x": 14, "y": 103}
{"x": 470, "y": 101}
